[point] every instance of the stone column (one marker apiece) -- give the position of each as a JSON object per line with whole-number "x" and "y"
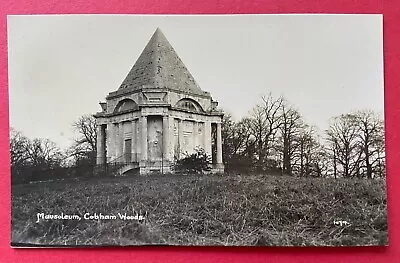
{"x": 200, "y": 138}
{"x": 219, "y": 144}
{"x": 133, "y": 141}
{"x": 194, "y": 136}
{"x": 121, "y": 142}
{"x": 100, "y": 144}
{"x": 143, "y": 138}
{"x": 172, "y": 142}
{"x": 166, "y": 138}
{"x": 207, "y": 138}
{"x": 180, "y": 138}
{"x": 137, "y": 138}
{"x": 116, "y": 141}
{"x": 110, "y": 137}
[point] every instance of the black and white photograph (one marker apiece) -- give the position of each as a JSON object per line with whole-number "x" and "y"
{"x": 197, "y": 130}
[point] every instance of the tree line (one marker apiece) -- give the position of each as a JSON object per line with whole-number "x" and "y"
{"x": 275, "y": 137}
{"x": 31, "y": 158}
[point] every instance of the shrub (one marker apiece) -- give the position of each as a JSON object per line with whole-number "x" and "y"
{"x": 198, "y": 163}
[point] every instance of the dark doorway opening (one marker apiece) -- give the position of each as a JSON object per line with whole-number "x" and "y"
{"x": 128, "y": 150}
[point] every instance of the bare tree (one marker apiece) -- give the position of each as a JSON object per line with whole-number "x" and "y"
{"x": 87, "y": 129}
{"x": 245, "y": 141}
{"x": 343, "y": 137}
{"x": 228, "y": 137}
{"x": 238, "y": 143}
{"x": 84, "y": 147}
{"x": 291, "y": 127}
{"x": 44, "y": 154}
{"x": 305, "y": 155}
{"x": 265, "y": 121}
{"x": 32, "y": 157}
{"x": 322, "y": 161}
{"x": 18, "y": 148}
{"x": 332, "y": 153}
{"x": 371, "y": 136}
{"x": 274, "y": 135}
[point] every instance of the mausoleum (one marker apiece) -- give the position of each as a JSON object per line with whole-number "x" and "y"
{"x": 158, "y": 115}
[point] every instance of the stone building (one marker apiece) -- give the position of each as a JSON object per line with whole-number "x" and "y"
{"x": 157, "y": 115}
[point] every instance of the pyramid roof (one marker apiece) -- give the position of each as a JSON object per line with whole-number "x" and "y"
{"x": 159, "y": 66}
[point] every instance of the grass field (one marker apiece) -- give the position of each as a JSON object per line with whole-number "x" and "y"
{"x": 204, "y": 210}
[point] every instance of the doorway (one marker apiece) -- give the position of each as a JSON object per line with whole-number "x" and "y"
{"x": 128, "y": 151}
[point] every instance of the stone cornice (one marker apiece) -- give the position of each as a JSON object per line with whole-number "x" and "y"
{"x": 107, "y": 115}
{"x": 127, "y": 91}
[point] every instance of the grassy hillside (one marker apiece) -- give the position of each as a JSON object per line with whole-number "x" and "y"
{"x": 204, "y": 210}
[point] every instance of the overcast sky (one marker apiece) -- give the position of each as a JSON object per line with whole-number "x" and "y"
{"x": 60, "y": 67}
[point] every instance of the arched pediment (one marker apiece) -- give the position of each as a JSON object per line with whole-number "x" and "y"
{"x": 189, "y": 104}
{"x": 126, "y": 105}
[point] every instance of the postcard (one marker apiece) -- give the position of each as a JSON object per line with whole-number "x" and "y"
{"x": 197, "y": 130}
